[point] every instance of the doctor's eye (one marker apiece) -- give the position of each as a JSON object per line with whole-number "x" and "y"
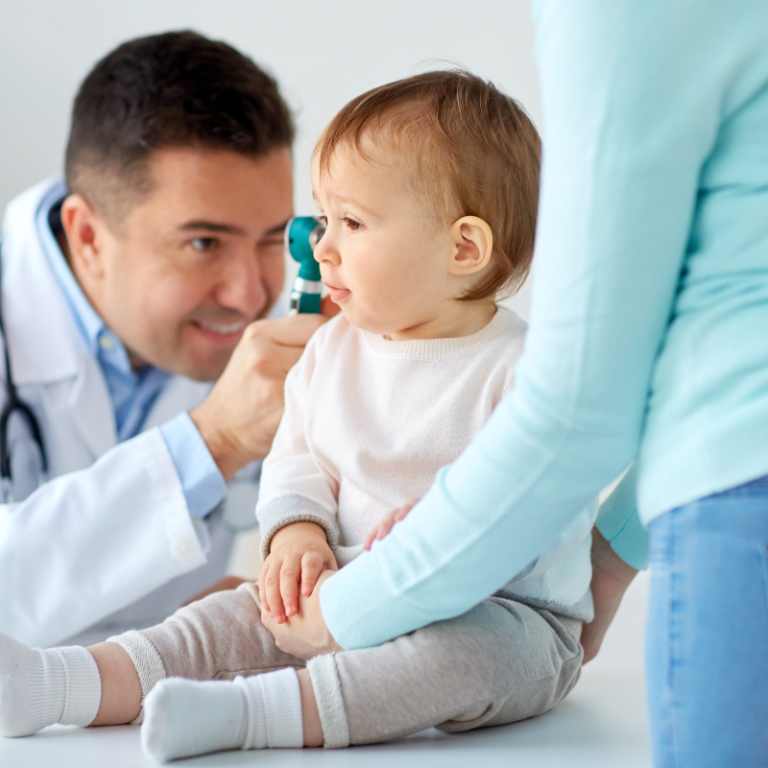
{"x": 351, "y": 224}
{"x": 203, "y": 244}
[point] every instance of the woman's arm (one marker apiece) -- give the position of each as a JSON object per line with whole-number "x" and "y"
{"x": 632, "y": 107}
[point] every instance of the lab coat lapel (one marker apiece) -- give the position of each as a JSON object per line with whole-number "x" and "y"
{"x": 91, "y": 409}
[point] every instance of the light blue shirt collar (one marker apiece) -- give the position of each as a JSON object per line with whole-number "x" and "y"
{"x": 93, "y": 329}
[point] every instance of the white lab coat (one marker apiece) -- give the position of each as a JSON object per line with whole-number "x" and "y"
{"x": 108, "y": 542}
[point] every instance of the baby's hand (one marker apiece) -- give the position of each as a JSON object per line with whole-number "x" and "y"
{"x": 298, "y": 554}
{"x": 388, "y": 523}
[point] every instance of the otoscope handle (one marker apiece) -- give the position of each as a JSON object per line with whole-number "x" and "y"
{"x": 301, "y": 236}
{"x": 305, "y": 297}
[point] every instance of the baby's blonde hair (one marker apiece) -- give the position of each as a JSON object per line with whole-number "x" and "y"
{"x": 474, "y": 152}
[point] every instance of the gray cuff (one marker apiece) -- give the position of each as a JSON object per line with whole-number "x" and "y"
{"x": 147, "y": 661}
{"x": 293, "y": 508}
{"x": 330, "y": 703}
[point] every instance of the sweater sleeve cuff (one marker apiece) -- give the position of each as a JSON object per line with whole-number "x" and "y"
{"x": 203, "y": 485}
{"x": 293, "y": 508}
{"x": 619, "y": 522}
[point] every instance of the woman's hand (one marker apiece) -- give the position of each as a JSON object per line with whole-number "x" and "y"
{"x": 610, "y": 578}
{"x": 387, "y": 523}
{"x": 304, "y": 635}
{"x": 298, "y": 554}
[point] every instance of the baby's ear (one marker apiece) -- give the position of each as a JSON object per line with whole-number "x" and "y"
{"x": 473, "y": 246}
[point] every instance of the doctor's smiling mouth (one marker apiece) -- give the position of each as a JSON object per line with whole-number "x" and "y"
{"x": 222, "y": 330}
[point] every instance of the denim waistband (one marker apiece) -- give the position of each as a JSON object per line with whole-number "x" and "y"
{"x": 757, "y": 486}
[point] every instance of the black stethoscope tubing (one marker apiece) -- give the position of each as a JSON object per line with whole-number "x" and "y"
{"x": 14, "y": 404}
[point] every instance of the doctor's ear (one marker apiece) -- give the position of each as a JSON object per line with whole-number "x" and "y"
{"x": 85, "y": 234}
{"x": 473, "y": 245}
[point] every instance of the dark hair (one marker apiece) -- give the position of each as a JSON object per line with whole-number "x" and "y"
{"x": 177, "y": 89}
{"x": 473, "y": 150}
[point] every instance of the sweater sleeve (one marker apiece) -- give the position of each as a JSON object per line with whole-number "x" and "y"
{"x": 293, "y": 488}
{"x": 630, "y": 120}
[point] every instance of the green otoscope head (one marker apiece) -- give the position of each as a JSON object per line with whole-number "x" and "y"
{"x": 302, "y": 234}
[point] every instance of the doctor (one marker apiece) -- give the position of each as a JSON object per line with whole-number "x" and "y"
{"x": 124, "y": 291}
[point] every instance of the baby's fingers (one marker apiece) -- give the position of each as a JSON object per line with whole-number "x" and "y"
{"x": 272, "y": 591}
{"x": 311, "y": 567}
{"x": 290, "y": 574}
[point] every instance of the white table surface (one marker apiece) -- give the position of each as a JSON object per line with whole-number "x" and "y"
{"x": 602, "y": 724}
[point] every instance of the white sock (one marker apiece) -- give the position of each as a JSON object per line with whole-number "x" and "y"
{"x": 183, "y": 718}
{"x": 42, "y": 687}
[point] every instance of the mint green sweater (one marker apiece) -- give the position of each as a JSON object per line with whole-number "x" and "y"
{"x": 648, "y": 335}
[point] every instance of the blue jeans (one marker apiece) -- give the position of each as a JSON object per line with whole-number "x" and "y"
{"x": 707, "y": 642}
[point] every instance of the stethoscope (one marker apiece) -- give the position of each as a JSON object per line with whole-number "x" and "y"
{"x": 14, "y": 405}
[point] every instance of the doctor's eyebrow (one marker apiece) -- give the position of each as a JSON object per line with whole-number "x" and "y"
{"x": 211, "y": 226}
{"x": 229, "y": 229}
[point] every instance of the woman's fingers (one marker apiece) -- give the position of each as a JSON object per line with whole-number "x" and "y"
{"x": 263, "y": 599}
{"x": 384, "y": 528}
{"x": 376, "y": 534}
{"x": 272, "y": 589}
{"x": 402, "y": 513}
{"x": 369, "y": 539}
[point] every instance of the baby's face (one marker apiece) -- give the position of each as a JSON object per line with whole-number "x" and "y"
{"x": 384, "y": 256}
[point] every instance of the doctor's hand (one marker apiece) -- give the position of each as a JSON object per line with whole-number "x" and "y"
{"x": 306, "y": 634}
{"x": 239, "y": 418}
{"x": 298, "y": 554}
{"x": 384, "y": 528}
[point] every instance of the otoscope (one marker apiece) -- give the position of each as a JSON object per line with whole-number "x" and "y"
{"x": 302, "y": 234}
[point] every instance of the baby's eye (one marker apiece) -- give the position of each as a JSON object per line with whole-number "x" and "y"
{"x": 351, "y": 224}
{"x": 203, "y": 244}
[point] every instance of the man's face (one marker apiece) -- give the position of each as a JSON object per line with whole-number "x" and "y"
{"x": 192, "y": 265}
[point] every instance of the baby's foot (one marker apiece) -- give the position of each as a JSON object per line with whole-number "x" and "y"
{"x": 24, "y": 707}
{"x": 184, "y": 718}
{"x": 42, "y": 687}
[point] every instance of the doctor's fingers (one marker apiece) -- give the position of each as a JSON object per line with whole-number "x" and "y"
{"x": 268, "y": 360}
{"x": 291, "y": 331}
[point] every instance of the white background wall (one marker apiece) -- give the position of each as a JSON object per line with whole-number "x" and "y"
{"x": 323, "y": 52}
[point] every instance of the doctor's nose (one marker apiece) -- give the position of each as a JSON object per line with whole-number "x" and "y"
{"x": 242, "y": 286}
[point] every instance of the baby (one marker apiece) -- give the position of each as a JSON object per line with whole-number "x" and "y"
{"x": 429, "y": 190}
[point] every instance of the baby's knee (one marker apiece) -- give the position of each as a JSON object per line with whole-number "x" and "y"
{"x": 522, "y": 701}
